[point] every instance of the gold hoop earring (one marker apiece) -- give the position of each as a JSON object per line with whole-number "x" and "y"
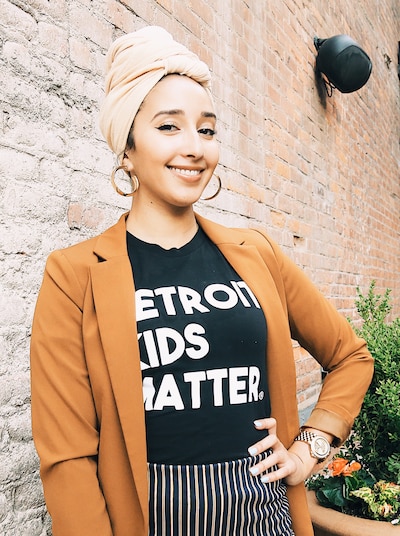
{"x": 134, "y": 181}
{"x": 216, "y": 193}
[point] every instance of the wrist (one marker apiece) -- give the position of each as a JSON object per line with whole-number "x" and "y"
{"x": 304, "y": 464}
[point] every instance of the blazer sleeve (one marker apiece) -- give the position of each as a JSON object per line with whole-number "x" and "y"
{"x": 330, "y": 339}
{"x": 64, "y": 423}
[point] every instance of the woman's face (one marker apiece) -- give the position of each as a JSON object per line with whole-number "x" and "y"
{"x": 175, "y": 151}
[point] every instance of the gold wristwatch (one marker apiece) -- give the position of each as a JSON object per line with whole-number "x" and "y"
{"x": 320, "y": 447}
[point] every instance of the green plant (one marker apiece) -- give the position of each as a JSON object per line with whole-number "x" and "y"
{"x": 346, "y": 486}
{"x": 377, "y": 428}
{"x": 382, "y": 500}
{"x": 364, "y": 478}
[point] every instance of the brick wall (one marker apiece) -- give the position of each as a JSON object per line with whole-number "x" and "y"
{"x": 322, "y": 178}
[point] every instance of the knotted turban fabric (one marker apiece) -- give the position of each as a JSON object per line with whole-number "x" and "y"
{"x": 135, "y": 63}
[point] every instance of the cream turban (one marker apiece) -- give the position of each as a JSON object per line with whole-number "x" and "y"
{"x": 135, "y": 63}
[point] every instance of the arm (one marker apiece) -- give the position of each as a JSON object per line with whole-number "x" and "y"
{"x": 65, "y": 427}
{"x": 329, "y": 338}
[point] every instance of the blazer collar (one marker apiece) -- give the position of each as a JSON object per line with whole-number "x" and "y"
{"x": 112, "y": 243}
{"x": 220, "y": 234}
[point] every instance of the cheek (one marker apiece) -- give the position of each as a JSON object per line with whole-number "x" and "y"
{"x": 213, "y": 154}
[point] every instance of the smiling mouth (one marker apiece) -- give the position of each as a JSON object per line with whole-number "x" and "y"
{"x": 187, "y": 172}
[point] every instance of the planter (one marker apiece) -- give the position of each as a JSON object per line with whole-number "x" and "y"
{"x": 328, "y": 522}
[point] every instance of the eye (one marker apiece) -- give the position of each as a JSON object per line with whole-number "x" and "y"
{"x": 167, "y": 127}
{"x": 208, "y": 132}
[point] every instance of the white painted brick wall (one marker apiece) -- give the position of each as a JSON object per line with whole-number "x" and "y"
{"x": 288, "y": 163}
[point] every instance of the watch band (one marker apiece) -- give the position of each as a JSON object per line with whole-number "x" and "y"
{"x": 305, "y": 436}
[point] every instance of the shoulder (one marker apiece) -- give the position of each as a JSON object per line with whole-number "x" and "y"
{"x": 250, "y": 236}
{"x": 109, "y": 243}
{"x": 260, "y": 238}
{"x": 256, "y": 237}
{"x": 81, "y": 252}
{"x": 68, "y": 268}
{"x": 78, "y": 258}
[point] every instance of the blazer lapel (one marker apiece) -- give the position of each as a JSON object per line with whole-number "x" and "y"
{"x": 113, "y": 295}
{"x": 245, "y": 258}
{"x": 249, "y": 264}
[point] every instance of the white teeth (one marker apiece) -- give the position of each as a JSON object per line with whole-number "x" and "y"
{"x": 189, "y": 172}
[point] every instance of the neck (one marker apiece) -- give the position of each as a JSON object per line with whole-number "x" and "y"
{"x": 171, "y": 230}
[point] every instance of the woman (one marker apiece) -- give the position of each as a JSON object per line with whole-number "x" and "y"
{"x": 163, "y": 379}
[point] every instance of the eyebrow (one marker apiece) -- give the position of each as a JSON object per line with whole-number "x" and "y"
{"x": 181, "y": 112}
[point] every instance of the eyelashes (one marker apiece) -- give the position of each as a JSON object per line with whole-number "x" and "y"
{"x": 208, "y": 132}
{"x": 169, "y": 127}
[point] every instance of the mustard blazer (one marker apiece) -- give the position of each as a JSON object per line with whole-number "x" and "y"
{"x": 87, "y": 406}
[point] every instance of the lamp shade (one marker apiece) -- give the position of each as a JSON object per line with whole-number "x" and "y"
{"x": 343, "y": 62}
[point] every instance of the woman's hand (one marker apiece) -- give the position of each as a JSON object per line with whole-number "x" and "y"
{"x": 293, "y": 465}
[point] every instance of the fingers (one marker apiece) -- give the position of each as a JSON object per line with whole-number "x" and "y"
{"x": 266, "y": 424}
{"x": 279, "y": 464}
{"x": 268, "y": 441}
{"x": 276, "y": 466}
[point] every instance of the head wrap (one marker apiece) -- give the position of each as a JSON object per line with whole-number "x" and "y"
{"x": 135, "y": 63}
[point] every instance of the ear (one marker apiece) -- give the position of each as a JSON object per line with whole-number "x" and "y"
{"x": 127, "y": 163}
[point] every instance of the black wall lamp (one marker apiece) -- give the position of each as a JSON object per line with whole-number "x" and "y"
{"x": 343, "y": 62}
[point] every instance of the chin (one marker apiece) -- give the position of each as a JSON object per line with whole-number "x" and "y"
{"x": 186, "y": 201}
{"x": 185, "y": 204}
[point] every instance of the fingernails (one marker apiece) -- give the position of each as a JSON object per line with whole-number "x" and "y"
{"x": 257, "y": 424}
{"x": 252, "y": 451}
{"x": 254, "y": 471}
{"x": 264, "y": 479}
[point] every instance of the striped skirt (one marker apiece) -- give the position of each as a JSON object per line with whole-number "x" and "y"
{"x": 221, "y": 499}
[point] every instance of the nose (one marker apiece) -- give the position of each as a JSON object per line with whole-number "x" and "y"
{"x": 192, "y": 144}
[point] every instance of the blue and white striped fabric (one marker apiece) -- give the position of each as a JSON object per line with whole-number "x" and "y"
{"x": 221, "y": 499}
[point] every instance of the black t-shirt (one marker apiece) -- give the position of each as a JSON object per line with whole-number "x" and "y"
{"x": 202, "y": 339}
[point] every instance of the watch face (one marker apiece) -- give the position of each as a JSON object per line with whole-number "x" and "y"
{"x": 321, "y": 447}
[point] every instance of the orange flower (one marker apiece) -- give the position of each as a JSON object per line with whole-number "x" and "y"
{"x": 351, "y": 468}
{"x": 337, "y": 465}
{"x": 340, "y": 466}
